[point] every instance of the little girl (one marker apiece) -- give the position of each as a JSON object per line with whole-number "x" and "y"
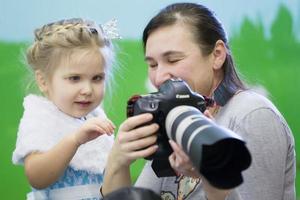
{"x": 64, "y": 135}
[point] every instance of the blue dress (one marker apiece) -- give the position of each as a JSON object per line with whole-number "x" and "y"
{"x": 70, "y": 178}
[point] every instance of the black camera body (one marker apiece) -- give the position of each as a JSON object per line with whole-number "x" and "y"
{"x": 172, "y": 93}
{"x": 218, "y": 153}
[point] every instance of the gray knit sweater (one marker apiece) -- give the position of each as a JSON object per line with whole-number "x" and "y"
{"x": 271, "y": 175}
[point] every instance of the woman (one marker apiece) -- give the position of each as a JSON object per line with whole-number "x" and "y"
{"x": 185, "y": 40}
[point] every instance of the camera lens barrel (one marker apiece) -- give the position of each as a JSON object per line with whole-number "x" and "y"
{"x": 218, "y": 153}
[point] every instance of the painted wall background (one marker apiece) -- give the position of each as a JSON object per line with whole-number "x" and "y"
{"x": 264, "y": 38}
{"x": 19, "y": 18}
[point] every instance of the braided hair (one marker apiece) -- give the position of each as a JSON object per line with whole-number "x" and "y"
{"x": 57, "y": 40}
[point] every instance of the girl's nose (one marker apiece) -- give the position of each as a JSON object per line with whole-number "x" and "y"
{"x": 86, "y": 88}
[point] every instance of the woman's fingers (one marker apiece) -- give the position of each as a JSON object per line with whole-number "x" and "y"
{"x": 181, "y": 163}
{"x": 138, "y": 133}
{"x": 181, "y": 156}
{"x": 208, "y": 114}
{"x": 143, "y": 131}
{"x": 140, "y": 144}
{"x": 141, "y": 148}
{"x": 136, "y": 139}
{"x": 172, "y": 160}
{"x": 144, "y": 152}
{"x": 135, "y": 121}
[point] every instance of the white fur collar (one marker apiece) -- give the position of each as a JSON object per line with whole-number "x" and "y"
{"x": 43, "y": 125}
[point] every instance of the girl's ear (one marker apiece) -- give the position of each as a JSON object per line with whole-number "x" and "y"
{"x": 219, "y": 54}
{"x": 41, "y": 81}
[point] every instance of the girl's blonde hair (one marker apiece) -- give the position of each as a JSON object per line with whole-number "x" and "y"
{"x": 56, "y": 40}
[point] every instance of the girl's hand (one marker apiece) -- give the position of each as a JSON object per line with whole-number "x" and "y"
{"x": 93, "y": 128}
{"x": 135, "y": 140}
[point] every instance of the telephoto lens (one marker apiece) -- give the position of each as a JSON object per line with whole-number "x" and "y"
{"x": 219, "y": 154}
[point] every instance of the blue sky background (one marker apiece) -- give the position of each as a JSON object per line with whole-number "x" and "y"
{"x": 18, "y": 19}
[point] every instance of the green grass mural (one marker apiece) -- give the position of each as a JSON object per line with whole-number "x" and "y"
{"x": 272, "y": 62}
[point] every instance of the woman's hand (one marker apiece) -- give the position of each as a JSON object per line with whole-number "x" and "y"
{"x": 135, "y": 140}
{"x": 181, "y": 163}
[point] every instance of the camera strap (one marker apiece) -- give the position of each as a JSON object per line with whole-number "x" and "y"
{"x": 223, "y": 93}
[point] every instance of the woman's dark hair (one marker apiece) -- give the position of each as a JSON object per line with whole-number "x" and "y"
{"x": 207, "y": 30}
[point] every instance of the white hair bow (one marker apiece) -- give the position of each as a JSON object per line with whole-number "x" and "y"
{"x": 110, "y": 29}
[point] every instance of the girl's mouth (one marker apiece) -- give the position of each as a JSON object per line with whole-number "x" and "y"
{"x": 83, "y": 103}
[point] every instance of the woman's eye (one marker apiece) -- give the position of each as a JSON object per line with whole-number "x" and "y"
{"x": 173, "y": 60}
{"x": 74, "y": 78}
{"x": 152, "y": 65}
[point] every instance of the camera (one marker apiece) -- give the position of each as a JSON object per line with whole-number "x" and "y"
{"x": 219, "y": 154}
{"x": 172, "y": 93}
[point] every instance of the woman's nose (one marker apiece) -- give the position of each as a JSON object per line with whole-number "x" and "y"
{"x": 162, "y": 74}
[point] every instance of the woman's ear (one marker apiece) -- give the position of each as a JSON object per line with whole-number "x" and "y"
{"x": 41, "y": 81}
{"x": 219, "y": 54}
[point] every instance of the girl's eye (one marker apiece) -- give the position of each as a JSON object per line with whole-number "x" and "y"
{"x": 98, "y": 78}
{"x": 74, "y": 78}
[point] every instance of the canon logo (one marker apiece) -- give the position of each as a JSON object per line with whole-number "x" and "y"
{"x": 182, "y": 96}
